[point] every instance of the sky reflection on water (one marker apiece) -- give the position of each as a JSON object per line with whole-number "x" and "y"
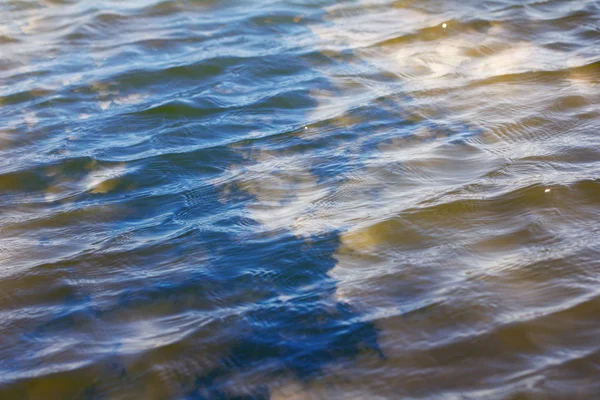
{"x": 296, "y": 200}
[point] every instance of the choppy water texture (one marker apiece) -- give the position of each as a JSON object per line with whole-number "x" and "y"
{"x": 299, "y": 199}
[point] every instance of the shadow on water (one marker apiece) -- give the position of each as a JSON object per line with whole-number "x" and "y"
{"x": 294, "y": 327}
{"x": 297, "y": 337}
{"x": 264, "y": 299}
{"x": 266, "y": 303}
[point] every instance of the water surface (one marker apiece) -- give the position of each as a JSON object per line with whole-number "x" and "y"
{"x": 305, "y": 199}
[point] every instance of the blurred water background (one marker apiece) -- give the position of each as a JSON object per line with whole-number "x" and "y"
{"x": 299, "y": 199}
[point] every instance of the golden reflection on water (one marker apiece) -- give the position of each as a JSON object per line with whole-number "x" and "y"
{"x": 460, "y": 190}
{"x": 466, "y": 238}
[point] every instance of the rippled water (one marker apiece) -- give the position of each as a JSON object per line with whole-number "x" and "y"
{"x": 299, "y": 199}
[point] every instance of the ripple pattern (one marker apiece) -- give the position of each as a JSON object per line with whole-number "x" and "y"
{"x": 369, "y": 199}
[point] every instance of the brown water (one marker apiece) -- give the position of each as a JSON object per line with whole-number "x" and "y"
{"x": 300, "y": 199}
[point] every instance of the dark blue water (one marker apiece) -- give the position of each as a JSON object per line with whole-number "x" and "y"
{"x": 301, "y": 199}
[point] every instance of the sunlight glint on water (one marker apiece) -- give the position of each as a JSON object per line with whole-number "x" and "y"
{"x": 299, "y": 200}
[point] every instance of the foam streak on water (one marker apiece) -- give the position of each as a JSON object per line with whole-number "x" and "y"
{"x": 367, "y": 199}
